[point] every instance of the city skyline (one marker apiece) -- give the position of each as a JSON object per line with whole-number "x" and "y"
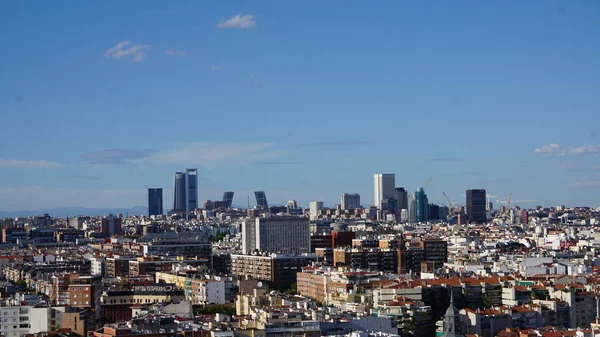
{"x": 491, "y": 108}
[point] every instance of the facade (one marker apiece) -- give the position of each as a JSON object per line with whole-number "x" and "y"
{"x": 188, "y": 247}
{"x": 228, "y": 199}
{"x": 278, "y": 269}
{"x": 191, "y": 190}
{"x": 401, "y": 197}
{"x": 276, "y": 234}
{"x": 179, "y": 195}
{"x": 384, "y": 188}
{"x": 155, "y": 201}
{"x": 421, "y": 205}
{"x": 111, "y": 226}
{"x": 476, "y": 206}
{"x": 315, "y": 208}
{"x": 350, "y": 201}
{"x": 77, "y": 221}
{"x": 429, "y": 250}
{"x": 116, "y": 304}
{"x": 261, "y": 199}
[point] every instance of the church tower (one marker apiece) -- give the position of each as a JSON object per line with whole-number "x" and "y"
{"x": 452, "y": 325}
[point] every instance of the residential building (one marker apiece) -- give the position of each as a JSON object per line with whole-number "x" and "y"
{"x": 278, "y": 269}
{"x": 111, "y": 226}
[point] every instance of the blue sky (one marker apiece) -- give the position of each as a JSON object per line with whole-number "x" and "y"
{"x": 305, "y": 100}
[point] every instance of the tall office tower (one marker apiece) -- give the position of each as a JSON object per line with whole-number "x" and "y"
{"x": 412, "y": 209}
{"x": 434, "y": 212}
{"x": 421, "y": 205}
{"x": 155, "y": 201}
{"x": 191, "y": 190}
{"x": 261, "y": 199}
{"x": 476, "y": 206}
{"x": 179, "y": 192}
{"x": 228, "y": 199}
{"x": 350, "y": 201}
{"x": 384, "y": 188}
{"x": 291, "y": 204}
{"x": 315, "y": 208}
{"x": 401, "y": 197}
{"x": 111, "y": 225}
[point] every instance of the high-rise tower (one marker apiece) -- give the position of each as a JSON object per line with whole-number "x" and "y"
{"x": 191, "y": 190}
{"x": 401, "y": 197}
{"x": 421, "y": 205}
{"x": 155, "y": 201}
{"x": 179, "y": 198}
{"x": 384, "y": 185}
{"x": 476, "y": 206}
{"x": 261, "y": 199}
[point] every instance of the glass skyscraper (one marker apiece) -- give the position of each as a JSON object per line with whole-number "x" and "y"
{"x": 191, "y": 190}
{"x": 421, "y": 205}
{"x": 155, "y": 201}
{"x": 261, "y": 199}
{"x": 185, "y": 191}
{"x": 476, "y": 206}
{"x": 179, "y": 192}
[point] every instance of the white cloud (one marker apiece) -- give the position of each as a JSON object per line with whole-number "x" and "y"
{"x": 215, "y": 68}
{"x": 39, "y": 197}
{"x": 125, "y": 49}
{"x": 238, "y": 21}
{"x": 176, "y": 52}
{"x": 586, "y": 183}
{"x": 15, "y": 163}
{"x": 214, "y": 154}
{"x": 554, "y": 149}
{"x": 252, "y": 74}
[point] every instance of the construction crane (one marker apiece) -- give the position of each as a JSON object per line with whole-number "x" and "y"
{"x": 448, "y": 199}
{"x": 427, "y": 183}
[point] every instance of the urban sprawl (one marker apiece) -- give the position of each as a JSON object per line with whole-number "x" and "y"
{"x": 400, "y": 267}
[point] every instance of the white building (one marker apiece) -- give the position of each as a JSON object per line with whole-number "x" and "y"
{"x": 384, "y": 187}
{"x": 276, "y": 234}
{"x": 315, "y": 208}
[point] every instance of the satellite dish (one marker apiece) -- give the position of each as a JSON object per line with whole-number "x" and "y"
{"x": 259, "y": 284}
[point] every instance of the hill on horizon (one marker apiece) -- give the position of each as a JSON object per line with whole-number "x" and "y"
{"x": 63, "y": 212}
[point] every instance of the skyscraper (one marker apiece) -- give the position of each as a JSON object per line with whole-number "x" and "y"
{"x": 155, "y": 201}
{"x": 261, "y": 199}
{"x": 179, "y": 198}
{"x": 314, "y": 208}
{"x": 401, "y": 197}
{"x": 421, "y": 205}
{"x": 476, "y": 206}
{"x": 384, "y": 188}
{"x": 191, "y": 190}
{"x": 350, "y": 201}
{"x": 228, "y": 199}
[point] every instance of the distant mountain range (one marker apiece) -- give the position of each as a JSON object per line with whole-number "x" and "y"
{"x": 63, "y": 212}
